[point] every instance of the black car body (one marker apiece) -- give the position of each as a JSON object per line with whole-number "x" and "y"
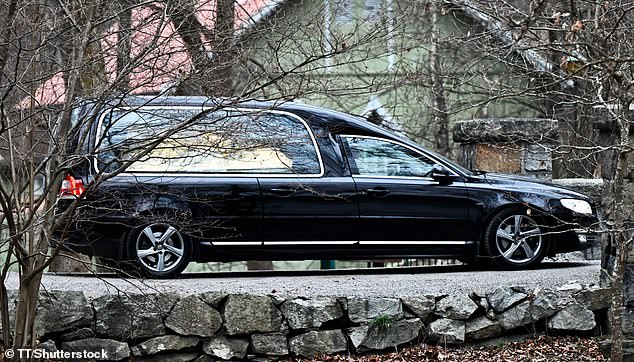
{"x": 293, "y": 182}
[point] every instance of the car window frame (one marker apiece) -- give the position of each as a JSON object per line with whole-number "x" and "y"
{"x": 353, "y": 166}
{"x": 307, "y": 127}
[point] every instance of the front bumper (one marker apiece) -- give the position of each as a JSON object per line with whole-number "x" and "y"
{"x": 588, "y": 238}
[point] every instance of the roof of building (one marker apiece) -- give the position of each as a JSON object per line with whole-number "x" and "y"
{"x": 157, "y": 41}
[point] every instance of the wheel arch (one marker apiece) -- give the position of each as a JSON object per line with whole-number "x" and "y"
{"x": 163, "y": 203}
{"x": 536, "y": 212}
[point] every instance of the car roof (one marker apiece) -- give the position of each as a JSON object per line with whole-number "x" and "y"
{"x": 328, "y": 116}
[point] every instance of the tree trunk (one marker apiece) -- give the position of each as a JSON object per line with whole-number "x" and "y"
{"x": 572, "y": 159}
{"x": 224, "y": 55}
{"x": 26, "y": 305}
{"x": 439, "y": 102}
{"x": 92, "y": 83}
{"x": 211, "y": 70}
{"x": 621, "y": 235}
{"x": 124, "y": 45}
{"x": 24, "y": 312}
{"x": 4, "y": 316}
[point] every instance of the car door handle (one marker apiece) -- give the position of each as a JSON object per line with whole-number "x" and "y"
{"x": 378, "y": 191}
{"x": 282, "y": 190}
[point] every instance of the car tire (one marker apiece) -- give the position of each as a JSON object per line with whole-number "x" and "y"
{"x": 514, "y": 239}
{"x": 158, "y": 249}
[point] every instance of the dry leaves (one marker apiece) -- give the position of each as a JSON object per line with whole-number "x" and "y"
{"x": 535, "y": 349}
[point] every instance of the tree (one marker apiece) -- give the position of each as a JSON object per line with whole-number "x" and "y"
{"x": 50, "y": 54}
{"x": 575, "y": 61}
{"x": 479, "y": 58}
{"x": 53, "y": 55}
{"x": 439, "y": 103}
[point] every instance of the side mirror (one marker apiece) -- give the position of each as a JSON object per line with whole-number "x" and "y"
{"x": 440, "y": 174}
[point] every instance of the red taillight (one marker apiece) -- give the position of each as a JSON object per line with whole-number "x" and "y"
{"x": 71, "y": 187}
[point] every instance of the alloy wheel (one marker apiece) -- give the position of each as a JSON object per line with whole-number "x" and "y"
{"x": 519, "y": 239}
{"x": 160, "y": 247}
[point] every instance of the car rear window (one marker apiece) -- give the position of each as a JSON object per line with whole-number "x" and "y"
{"x": 186, "y": 140}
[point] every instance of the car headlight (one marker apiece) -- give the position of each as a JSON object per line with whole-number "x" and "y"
{"x": 578, "y": 206}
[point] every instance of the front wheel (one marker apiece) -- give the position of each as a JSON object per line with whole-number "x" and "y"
{"x": 515, "y": 240}
{"x": 159, "y": 250}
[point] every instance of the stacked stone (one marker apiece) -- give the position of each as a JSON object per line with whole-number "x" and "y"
{"x": 216, "y": 326}
{"x": 508, "y": 145}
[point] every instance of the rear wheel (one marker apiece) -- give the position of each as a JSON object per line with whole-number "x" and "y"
{"x": 515, "y": 239}
{"x": 159, "y": 250}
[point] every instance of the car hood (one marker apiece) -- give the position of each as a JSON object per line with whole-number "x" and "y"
{"x": 528, "y": 184}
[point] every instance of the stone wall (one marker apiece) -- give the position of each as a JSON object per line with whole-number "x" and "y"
{"x": 217, "y": 326}
{"x": 513, "y": 145}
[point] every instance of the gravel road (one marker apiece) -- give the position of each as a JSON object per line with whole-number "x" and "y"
{"x": 392, "y": 282}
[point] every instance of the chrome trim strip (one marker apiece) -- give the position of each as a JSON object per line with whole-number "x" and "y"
{"x": 344, "y": 242}
{"x": 393, "y": 177}
{"x": 412, "y": 242}
{"x": 403, "y": 145}
{"x": 310, "y": 242}
{"x": 236, "y": 243}
{"x": 211, "y": 174}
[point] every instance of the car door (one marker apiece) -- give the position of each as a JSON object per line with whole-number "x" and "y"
{"x": 399, "y": 202}
{"x": 230, "y": 208}
{"x": 304, "y": 203}
{"x": 225, "y": 210}
{"x": 200, "y": 166}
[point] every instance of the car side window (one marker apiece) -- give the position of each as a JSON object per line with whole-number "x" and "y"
{"x": 223, "y": 142}
{"x": 376, "y": 157}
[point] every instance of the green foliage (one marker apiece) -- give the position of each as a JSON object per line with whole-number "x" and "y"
{"x": 381, "y": 322}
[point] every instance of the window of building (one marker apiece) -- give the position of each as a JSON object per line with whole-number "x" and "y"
{"x": 343, "y": 10}
{"x": 372, "y": 10}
